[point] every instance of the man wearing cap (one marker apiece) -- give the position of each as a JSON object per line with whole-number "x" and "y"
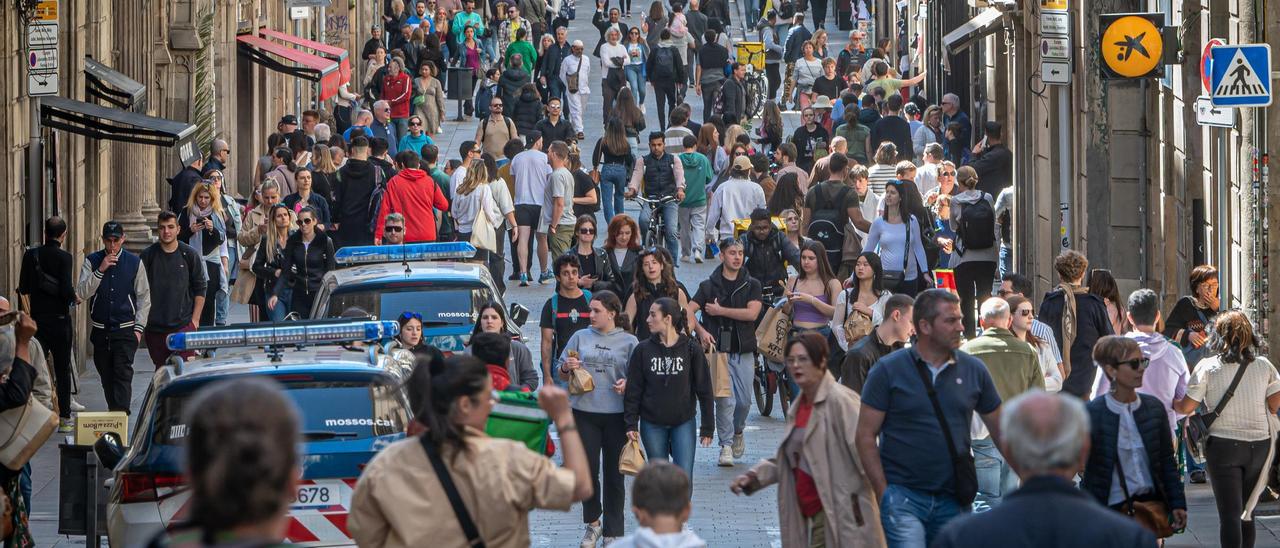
{"x": 114, "y": 283}
{"x": 576, "y": 67}
{"x": 735, "y": 198}
{"x": 287, "y": 124}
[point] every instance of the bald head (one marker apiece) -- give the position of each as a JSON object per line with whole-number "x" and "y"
{"x": 1044, "y": 434}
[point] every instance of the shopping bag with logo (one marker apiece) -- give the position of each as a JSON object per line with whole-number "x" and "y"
{"x": 632, "y": 460}
{"x": 721, "y": 384}
{"x": 771, "y": 335}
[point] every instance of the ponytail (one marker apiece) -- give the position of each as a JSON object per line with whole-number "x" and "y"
{"x": 286, "y": 155}
{"x": 434, "y": 386}
{"x": 610, "y": 301}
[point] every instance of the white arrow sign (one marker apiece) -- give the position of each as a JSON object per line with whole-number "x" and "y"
{"x": 1209, "y": 115}
{"x": 1055, "y": 73}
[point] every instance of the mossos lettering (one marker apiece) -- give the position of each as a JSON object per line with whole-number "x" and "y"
{"x": 454, "y": 315}
{"x": 357, "y": 422}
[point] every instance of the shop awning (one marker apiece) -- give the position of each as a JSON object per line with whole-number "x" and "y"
{"x": 983, "y": 24}
{"x": 294, "y": 62}
{"x": 107, "y": 84}
{"x": 334, "y": 53}
{"x": 99, "y": 122}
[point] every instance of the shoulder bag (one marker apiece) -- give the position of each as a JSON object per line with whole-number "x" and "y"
{"x": 893, "y": 279}
{"x": 1197, "y": 428}
{"x": 964, "y": 472}
{"x": 28, "y": 428}
{"x": 573, "y": 79}
{"x": 856, "y": 324}
{"x": 455, "y": 499}
{"x": 1152, "y": 515}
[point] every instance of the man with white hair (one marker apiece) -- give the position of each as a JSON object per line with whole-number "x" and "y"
{"x": 382, "y": 126}
{"x": 575, "y": 74}
{"x": 323, "y": 133}
{"x": 951, "y": 113}
{"x": 1014, "y": 368}
{"x": 1046, "y": 438}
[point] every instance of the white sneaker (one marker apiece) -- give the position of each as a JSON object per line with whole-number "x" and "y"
{"x": 592, "y": 536}
{"x": 739, "y": 446}
{"x": 726, "y": 456}
{"x": 75, "y": 406}
{"x": 644, "y": 109}
{"x": 697, "y": 258}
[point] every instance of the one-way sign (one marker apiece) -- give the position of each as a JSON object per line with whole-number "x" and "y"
{"x": 1240, "y": 75}
{"x": 1055, "y": 73}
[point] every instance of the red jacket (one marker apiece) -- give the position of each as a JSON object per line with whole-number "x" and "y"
{"x": 397, "y": 91}
{"x": 412, "y": 193}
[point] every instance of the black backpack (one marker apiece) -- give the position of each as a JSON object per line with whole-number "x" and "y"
{"x": 664, "y": 65}
{"x": 375, "y": 199}
{"x": 827, "y": 225}
{"x": 977, "y": 225}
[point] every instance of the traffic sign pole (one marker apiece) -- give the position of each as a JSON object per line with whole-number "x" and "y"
{"x": 42, "y": 79}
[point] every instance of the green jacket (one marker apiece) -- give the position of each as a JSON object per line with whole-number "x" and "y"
{"x": 856, "y": 134}
{"x": 527, "y": 54}
{"x": 697, "y": 174}
{"x": 1012, "y": 363}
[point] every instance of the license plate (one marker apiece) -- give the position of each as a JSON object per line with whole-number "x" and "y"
{"x": 319, "y": 494}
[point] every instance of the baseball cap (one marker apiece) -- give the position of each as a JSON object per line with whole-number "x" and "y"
{"x": 742, "y": 163}
{"x": 289, "y": 119}
{"x": 112, "y": 229}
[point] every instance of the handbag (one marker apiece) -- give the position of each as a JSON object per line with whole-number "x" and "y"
{"x": 892, "y": 280}
{"x": 580, "y": 382}
{"x": 44, "y": 282}
{"x": 964, "y": 471}
{"x": 856, "y": 324}
{"x": 772, "y": 333}
{"x": 1197, "y": 428}
{"x": 1152, "y": 515}
{"x": 573, "y": 79}
{"x": 632, "y": 459}
{"x": 482, "y": 232}
{"x": 29, "y": 427}
{"x": 721, "y": 383}
{"x": 455, "y": 500}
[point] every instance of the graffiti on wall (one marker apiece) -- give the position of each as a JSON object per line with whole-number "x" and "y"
{"x": 337, "y": 28}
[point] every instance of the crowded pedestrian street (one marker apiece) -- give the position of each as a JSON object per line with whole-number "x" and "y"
{"x": 728, "y": 273}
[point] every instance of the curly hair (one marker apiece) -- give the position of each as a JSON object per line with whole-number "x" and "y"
{"x": 1232, "y": 339}
{"x": 1070, "y": 265}
{"x": 667, "y": 285}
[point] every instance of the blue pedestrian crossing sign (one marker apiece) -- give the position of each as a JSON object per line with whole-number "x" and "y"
{"x": 1240, "y": 75}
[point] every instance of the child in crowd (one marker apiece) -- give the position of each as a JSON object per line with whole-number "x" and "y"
{"x": 660, "y": 501}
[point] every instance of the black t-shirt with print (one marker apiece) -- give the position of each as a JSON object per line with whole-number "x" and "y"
{"x": 570, "y": 316}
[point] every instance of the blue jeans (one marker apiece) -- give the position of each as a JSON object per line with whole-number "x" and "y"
{"x": 995, "y": 478}
{"x": 635, "y": 78}
{"x": 1006, "y": 260}
{"x": 277, "y": 313}
{"x": 912, "y": 518}
{"x": 490, "y": 48}
{"x": 24, "y": 485}
{"x": 613, "y": 188}
{"x": 670, "y": 443}
{"x": 671, "y": 218}
{"x": 555, "y": 88}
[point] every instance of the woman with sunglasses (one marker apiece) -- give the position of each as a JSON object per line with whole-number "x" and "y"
{"x": 1241, "y": 441}
{"x": 622, "y": 249}
{"x": 416, "y": 138}
{"x": 938, "y": 201}
{"x": 655, "y": 279}
{"x": 232, "y": 218}
{"x": 594, "y": 274}
{"x": 520, "y": 369}
{"x": 1023, "y": 315}
{"x": 308, "y": 256}
{"x": 268, "y": 262}
{"x": 305, "y": 197}
{"x": 1131, "y": 455}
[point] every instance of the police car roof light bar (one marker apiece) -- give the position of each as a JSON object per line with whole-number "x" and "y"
{"x": 300, "y": 334}
{"x": 374, "y": 254}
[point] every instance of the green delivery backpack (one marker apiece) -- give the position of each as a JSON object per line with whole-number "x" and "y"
{"x": 517, "y": 417}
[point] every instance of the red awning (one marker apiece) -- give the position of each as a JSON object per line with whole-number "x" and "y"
{"x": 324, "y": 50}
{"x": 294, "y": 62}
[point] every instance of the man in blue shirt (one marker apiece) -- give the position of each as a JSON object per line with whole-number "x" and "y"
{"x": 912, "y": 469}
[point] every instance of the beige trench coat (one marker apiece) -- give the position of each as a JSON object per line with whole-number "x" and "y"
{"x": 852, "y": 512}
{"x": 249, "y": 238}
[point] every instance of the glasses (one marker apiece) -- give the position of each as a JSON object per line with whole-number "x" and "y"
{"x": 413, "y": 123}
{"x": 406, "y": 316}
{"x": 393, "y": 228}
{"x": 476, "y": 151}
{"x": 1136, "y": 364}
{"x": 947, "y": 174}
{"x": 553, "y": 107}
{"x": 1027, "y": 313}
{"x": 586, "y": 231}
{"x": 305, "y": 222}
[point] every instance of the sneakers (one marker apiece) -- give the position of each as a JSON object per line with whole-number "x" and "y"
{"x": 1197, "y": 476}
{"x": 726, "y": 456}
{"x": 697, "y": 258}
{"x": 739, "y": 446}
{"x": 592, "y": 536}
{"x": 524, "y": 279}
{"x": 66, "y": 426}
{"x": 75, "y": 406}
{"x": 546, "y": 276}
{"x": 686, "y": 259}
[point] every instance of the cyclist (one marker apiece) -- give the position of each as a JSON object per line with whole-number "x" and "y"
{"x": 768, "y": 252}
{"x": 662, "y": 176}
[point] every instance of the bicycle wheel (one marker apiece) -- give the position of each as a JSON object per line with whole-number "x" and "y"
{"x": 764, "y": 395}
{"x": 757, "y": 89}
{"x": 784, "y": 394}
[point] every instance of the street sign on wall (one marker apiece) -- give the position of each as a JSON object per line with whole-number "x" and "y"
{"x": 1132, "y": 46}
{"x": 42, "y": 50}
{"x": 1240, "y": 75}
{"x": 1055, "y": 22}
{"x": 1056, "y": 73}
{"x": 1055, "y": 47}
{"x": 1206, "y": 61}
{"x": 1209, "y": 115}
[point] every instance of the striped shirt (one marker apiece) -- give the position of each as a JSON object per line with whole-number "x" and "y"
{"x": 1245, "y": 416}
{"x": 1043, "y": 332}
{"x": 880, "y": 175}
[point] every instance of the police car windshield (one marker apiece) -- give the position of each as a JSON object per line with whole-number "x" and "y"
{"x": 337, "y": 410}
{"x": 439, "y": 306}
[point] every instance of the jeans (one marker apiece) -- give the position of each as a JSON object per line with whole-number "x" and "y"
{"x": 604, "y": 435}
{"x": 671, "y": 218}
{"x": 281, "y": 309}
{"x": 693, "y": 230}
{"x": 995, "y": 478}
{"x": 1006, "y": 260}
{"x": 912, "y": 518}
{"x": 752, "y": 13}
{"x": 670, "y": 443}
{"x": 1234, "y": 467}
{"x": 731, "y": 412}
{"x": 973, "y": 283}
{"x": 665, "y": 95}
{"x": 709, "y": 92}
{"x": 222, "y": 303}
{"x": 613, "y": 188}
{"x": 401, "y": 126}
{"x": 490, "y": 47}
{"x": 635, "y": 79}
{"x": 773, "y": 73}
{"x": 555, "y": 88}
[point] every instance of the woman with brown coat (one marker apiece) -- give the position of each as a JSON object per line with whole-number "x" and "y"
{"x": 824, "y": 498}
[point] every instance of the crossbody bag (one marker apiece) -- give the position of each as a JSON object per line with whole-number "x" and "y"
{"x": 964, "y": 471}
{"x": 1152, "y": 515}
{"x": 1197, "y": 429}
{"x": 455, "y": 499}
{"x": 893, "y": 279}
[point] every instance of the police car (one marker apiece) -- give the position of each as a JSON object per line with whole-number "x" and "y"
{"x": 348, "y": 390}
{"x": 384, "y": 281}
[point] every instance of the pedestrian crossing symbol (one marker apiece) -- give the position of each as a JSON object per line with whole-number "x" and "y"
{"x": 1239, "y": 75}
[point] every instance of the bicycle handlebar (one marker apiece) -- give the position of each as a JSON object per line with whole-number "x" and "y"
{"x": 659, "y": 201}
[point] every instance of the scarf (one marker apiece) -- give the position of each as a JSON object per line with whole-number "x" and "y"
{"x": 1069, "y": 291}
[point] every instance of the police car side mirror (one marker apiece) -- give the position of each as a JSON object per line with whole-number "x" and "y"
{"x": 109, "y": 450}
{"x": 518, "y": 314}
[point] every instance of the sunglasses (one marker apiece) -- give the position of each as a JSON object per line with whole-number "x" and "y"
{"x": 499, "y": 105}
{"x": 586, "y": 231}
{"x": 393, "y": 228}
{"x": 415, "y": 124}
{"x": 1136, "y": 364}
{"x": 304, "y": 222}
{"x": 1027, "y": 313}
{"x": 476, "y": 151}
{"x": 406, "y": 316}
{"x": 947, "y": 174}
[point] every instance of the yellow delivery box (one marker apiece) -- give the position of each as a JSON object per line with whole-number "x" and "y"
{"x": 91, "y": 425}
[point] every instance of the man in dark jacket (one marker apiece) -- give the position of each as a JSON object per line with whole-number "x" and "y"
{"x": 1077, "y": 324}
{"x": 992, "y": 160}
{"x": 183, "y": 183}
{"x": 46, "y": 281}
{"x": 1044, "y": 439}
{"x": 894, "y": 330}
{"x": 735, "y": 93}
{"x": 550, "y": 64}
{"x": 895, "y": 129}
{"x": 554, "y": 127}
{"x": 178, "y": 282}
{"x": 730, "y": 303}
{"x": 717, "y": 9}
{"x": 767, "y": 249}
{"x": 372, "y": 44}
{"x": 356, "y": 182}
{"x": 512, "y": 79}
{"x": 115, "y": 284}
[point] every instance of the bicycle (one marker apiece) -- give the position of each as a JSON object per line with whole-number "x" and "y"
{"x": 756, "y": 82}
{"x": 766, "y": 382}
{"x": 657, "y": 227}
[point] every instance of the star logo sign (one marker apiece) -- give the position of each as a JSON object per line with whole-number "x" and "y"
{"x": 1131, "y": 44}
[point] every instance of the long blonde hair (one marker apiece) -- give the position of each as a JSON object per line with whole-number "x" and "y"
{"x": 214, "y": 195}
{"x": 477, "y": 175}
{"x": 322, "y": 158}
{"x": 730, "y": 136}
{"x": 273, "y": 231}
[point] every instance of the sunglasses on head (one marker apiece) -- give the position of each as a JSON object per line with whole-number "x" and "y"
{"x": 406, "y": 316}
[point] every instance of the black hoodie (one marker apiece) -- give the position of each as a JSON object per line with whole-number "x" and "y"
{"x": 650, "y": 394}
{"x": 526, "y": 112}
{"x": 354, "y": 191}
{"x": 305, "y": 265}
{"x": 737, "y": 293}
{"x": 511, "y": 80}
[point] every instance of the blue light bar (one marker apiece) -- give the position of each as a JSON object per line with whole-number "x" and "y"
{"x": 337, "y": 332}
{"x": 371, "y": 254}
